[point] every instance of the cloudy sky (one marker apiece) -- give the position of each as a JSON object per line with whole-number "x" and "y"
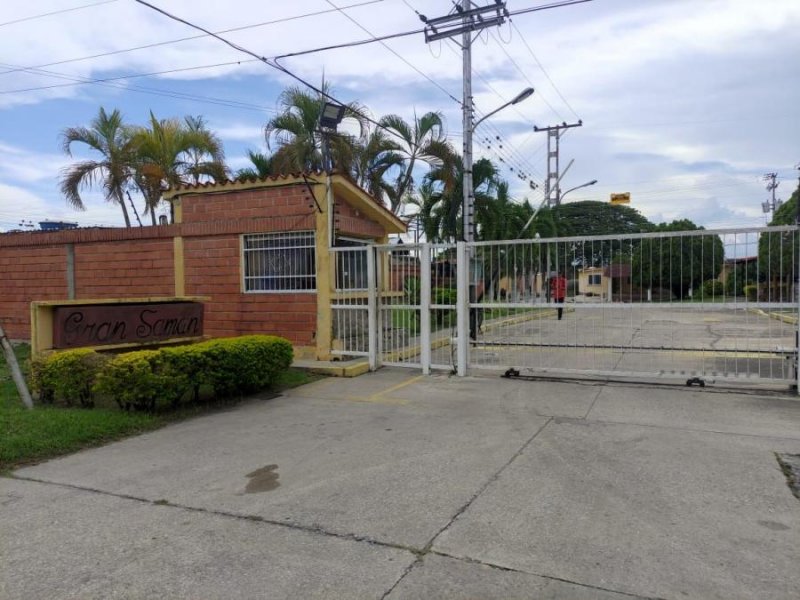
{"x": 685, "y": 103}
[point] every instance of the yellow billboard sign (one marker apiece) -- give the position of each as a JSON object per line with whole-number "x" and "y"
{"x": 621, "y": 198}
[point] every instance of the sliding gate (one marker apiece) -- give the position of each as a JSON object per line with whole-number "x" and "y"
{"x": 694, "y": 306}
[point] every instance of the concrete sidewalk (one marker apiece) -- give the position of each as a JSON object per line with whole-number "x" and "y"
{"x": 393, "y": 485}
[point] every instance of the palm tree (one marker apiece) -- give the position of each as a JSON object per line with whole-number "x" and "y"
{"x": 112, "y": 139}
{"x": 211, "y": 147}
{"x": 296, "y": 134}
{"x": 171, "y": 153}
{"x": 441, "y": 198}
{"x": 372, "y": 159}
{"x": 261, "y": 166}
{"x": 424, "y": 140}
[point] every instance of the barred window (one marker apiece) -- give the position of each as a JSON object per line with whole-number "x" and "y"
{"x": 277, "y": 262}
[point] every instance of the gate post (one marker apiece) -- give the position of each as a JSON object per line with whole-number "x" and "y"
{"x": 425, "y": 307}
{"x": 797, "y": 299}
{"x": 462, "y": 307}
{"x": 372, "y": 309}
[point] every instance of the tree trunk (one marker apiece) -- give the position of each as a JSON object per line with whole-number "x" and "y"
{"x": 13, "y": 366}
{"x": 121, "y": 202}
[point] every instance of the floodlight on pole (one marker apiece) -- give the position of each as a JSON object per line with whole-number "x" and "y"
{"x": 329, "y": 119}
{"x": 332, "y": 115}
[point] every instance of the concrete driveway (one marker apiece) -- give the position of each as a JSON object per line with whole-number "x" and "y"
{"x": 674, "y": 341}
{"x": 395, "y": 486}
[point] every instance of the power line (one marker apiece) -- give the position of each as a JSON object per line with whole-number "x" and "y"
{"x": 192, "y": 37}
{"x": 544, "y": 71}
{"x": 397, "y": 54}
{"x": 56, "y": 12}
{"x": 523, "y": 73}
{"x": 520, "y": 157}
{"x": 111, "y": 83}
{"x": 276, "y": 65}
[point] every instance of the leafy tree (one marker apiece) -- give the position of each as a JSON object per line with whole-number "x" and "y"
{"x": 108, "y": 136}
{"x": 598, "y": 218}
{"x": 170, "y": 152}
{"x": 676, "y": 263}
{"x": 592, "y": 218}
{"x": 741, "y": 275}
{"x": 778, "y": 251}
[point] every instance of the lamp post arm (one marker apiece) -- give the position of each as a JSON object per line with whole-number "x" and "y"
{"x": 495, "y": 111}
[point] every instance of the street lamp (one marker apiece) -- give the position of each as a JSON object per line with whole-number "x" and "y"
{"x": 524, "y": 94}
{"x": 469, "y": 127}
{"x": 577, "y": 187}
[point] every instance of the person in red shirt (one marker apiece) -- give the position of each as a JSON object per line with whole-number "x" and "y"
{"x": 558, "y": 290}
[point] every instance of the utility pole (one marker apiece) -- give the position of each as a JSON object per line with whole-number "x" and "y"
{"x": 552, "y": 190}
{"x": 465, "y": 21}
{"x": 772, "y": 185}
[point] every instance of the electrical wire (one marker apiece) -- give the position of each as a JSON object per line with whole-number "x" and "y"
{"x": 397, "y": 54}
{"x": 56, "y": 12}
{"x": 192, "y": 37}
{"x": 544, "y": 71}
{"x": 110, "y": 82}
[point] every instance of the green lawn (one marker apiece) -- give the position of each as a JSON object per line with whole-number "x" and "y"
{"x": 28, "y": 436}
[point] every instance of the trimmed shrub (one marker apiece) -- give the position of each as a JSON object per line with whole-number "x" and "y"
{"x": 134, "y": 381}
{"x": 235, "y": 366}
{"x": 751, "y": 292}
{"x": 712, "y": 287}
{"x": 67, "y": 376}
{"x": 143, "y": 379}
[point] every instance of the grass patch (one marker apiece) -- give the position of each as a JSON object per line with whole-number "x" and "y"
{"x": 29, "y": 436}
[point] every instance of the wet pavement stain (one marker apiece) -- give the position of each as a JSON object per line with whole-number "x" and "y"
{"x": 264, "y": 479}
{"x": 774, "y": 525}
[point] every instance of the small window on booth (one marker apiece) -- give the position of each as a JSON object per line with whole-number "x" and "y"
{"x": 279, "y": 262}
{"x": 351, "y": 264}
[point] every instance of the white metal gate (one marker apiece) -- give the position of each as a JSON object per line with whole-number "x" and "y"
{"x": 690, "y": 305}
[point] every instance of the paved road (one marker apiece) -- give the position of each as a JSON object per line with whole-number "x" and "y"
{"x": 677, "y": 341}
{"x": 397, "y": 486}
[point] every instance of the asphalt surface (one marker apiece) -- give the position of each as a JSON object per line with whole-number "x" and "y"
{"x": 394, "y": 485}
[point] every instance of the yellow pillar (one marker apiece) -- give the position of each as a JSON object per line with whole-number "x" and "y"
{"x": 179, "y": 271}
{"x": 324, "y": 278}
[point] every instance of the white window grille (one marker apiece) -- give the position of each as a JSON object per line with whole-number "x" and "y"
{"x": 351, "y": 264}
{"x": 279, "y": 262}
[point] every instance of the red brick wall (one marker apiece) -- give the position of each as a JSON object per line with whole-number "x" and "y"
{"x": 138, "y": 262}
{"x": 213, "y": 269}
{"x": 275, "y": 202}
{"x": 124, "y": 269}
{"x": 25, "y": 274}
{"x": 349, "y": 222}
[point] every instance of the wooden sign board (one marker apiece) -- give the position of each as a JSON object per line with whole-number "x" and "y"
{"x": 76, "y": 326}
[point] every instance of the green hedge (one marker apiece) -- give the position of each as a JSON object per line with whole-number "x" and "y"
{"x": 143, "y": 379}
{"x": 67, "y": 377}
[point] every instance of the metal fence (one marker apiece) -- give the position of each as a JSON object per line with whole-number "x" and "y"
{"x": 712, "y": 305}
